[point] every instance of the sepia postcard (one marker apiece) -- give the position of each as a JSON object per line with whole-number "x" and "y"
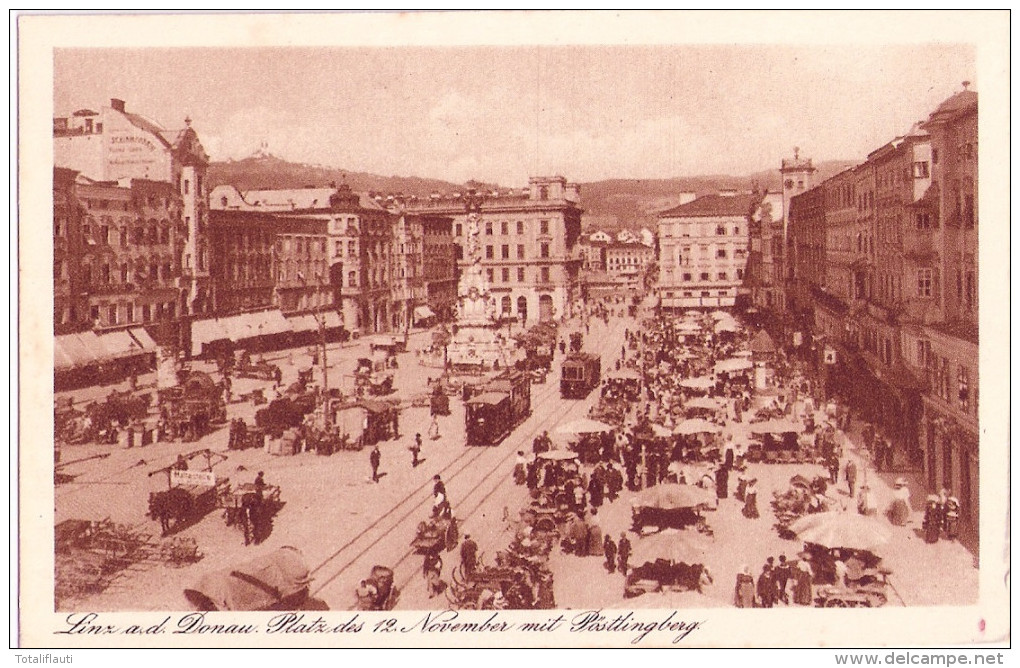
{"x": 513, "y": 329}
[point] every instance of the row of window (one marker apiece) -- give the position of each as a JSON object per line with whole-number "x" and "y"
{"x": 941, "y": 382}
{"x": 702, "y": 293}
{"x": 691, "y": 230}
{"x": 684, "y": 258}
{"x": 504, "y": 251}
{"x": 504, "y": 228}
{"x": 111, "y": 315}
{"x": 519, "y": 273}
{"x": 107, "y": 274}
{"x": 705, "y": 276}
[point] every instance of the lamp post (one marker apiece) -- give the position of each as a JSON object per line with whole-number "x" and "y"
{"x": 327, "y": 417}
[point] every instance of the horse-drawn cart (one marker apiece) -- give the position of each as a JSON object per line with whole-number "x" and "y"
{"x": 189, "y": 495}
{"x": 249, "y": 511}
{"x": 436, "y": 534}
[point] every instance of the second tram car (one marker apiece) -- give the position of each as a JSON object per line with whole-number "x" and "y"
{"x": 580, "y": 374}
{"x": 495, "y": 408}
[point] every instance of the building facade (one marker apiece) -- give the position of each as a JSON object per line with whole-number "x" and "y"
{"x": 528, "y": 241}
{"x": 894, "y": 293}
{"x": 114, "y": 145}
{"x": 242, "y": 248}
{"x": 117, "y": 252}
{"x": 703, "y": 247}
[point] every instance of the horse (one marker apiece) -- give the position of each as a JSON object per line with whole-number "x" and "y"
{"x": 175, "y": 504}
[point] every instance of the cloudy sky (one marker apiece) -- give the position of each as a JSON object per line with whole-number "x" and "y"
{"x": 503, "y": 113}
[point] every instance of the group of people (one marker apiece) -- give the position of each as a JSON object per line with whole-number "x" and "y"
{"x": 779, "y": 582}
{"x": 941, "y": 517}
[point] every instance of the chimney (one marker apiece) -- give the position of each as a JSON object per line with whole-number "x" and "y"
{"x": 966, "y": 85}
{"x": 118, "y": 105}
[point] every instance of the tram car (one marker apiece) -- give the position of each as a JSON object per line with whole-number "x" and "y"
{"x": 580, "y": 374}
{"x": 494, "y": 409}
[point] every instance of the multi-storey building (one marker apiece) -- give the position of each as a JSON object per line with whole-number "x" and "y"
{"x": 112, "y": 145}
{"x": 630, "y": 260}
{"x": 945, "y": 350}
{"x": 358, "y": 265}
{"x": 242, "y": 248}
{"x": 528, "y": 241}
{"x": 439, "y": 268}
{"x": 70, "y": 299}
{"x": 125, "y": 265}
{"x": 703, "y": 250}
{"x": 894, "y": 292}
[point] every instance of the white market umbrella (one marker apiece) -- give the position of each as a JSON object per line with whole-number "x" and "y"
{"x": 841, "y": 529}
{"x": 697, "y": 426}
{"x": 708, "y": 403}
{"x": 733, "y": 364}
{"x": 698, "y": 383}
{"x": 584, "y": 426}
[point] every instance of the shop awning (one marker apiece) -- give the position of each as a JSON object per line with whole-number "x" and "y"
{"x": 143, "y": 338}
{"x": 120, "y": 344}
{"x": 423, "y": 313}
{"x": 61, "y": 359}
{"x": 333, "y": 320}
{"x": 273, "y": 322}
{"x": 303, "y": 323}
{"x": 207, "y": 331}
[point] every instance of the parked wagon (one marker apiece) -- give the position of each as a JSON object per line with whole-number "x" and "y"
{"x": 260, "y": 370}
{"x": 189, "y": 495}
{"x": 278, "y": 580}
{"x": 436, "y": 534}
{"x": 251, "y": 513}
{"x": 243, "y": 437}
{"x": 671, "y": 507}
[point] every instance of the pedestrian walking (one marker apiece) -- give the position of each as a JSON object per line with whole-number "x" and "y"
{"x": 609, "y": 549}
{"x": 802, "y": 577}
{"x": 432, "y": 569}
{"x": 832, "y": 463}
{"x": 782, "y": 576}
{"x": 415, "y": 451}
{"x": 751, "y": 499}
{"x": 743, "y": 594}
{"x": 375, "y": 458}
{"x": 468, "y": 555}
{"x": 766, "y": 585}
{"x": 851, "y": 476}
{"x": 623, "y": 551}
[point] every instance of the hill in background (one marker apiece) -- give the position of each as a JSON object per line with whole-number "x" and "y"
{"x": 612, "y": 204}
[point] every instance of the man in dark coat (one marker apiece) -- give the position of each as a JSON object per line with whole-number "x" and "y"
{"x": 623, "y": 548}
{"x": 438, "y": 487}
{"x": 468, "y": 555}
{"x": 851, "y": 476}
{"x": 767, "y": 586}
{"x": 375, "y": 459}
{"x": 782, "y": 576}
{"x": 596, "y": 488}
{"x": 609, "y": 549}
{"x": 722, "y": 482}
{"x": 415, "y": 451}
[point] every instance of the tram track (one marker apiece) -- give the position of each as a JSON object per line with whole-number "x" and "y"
{"x": 469, "y": 457}
{"x": 518, "y": 440}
